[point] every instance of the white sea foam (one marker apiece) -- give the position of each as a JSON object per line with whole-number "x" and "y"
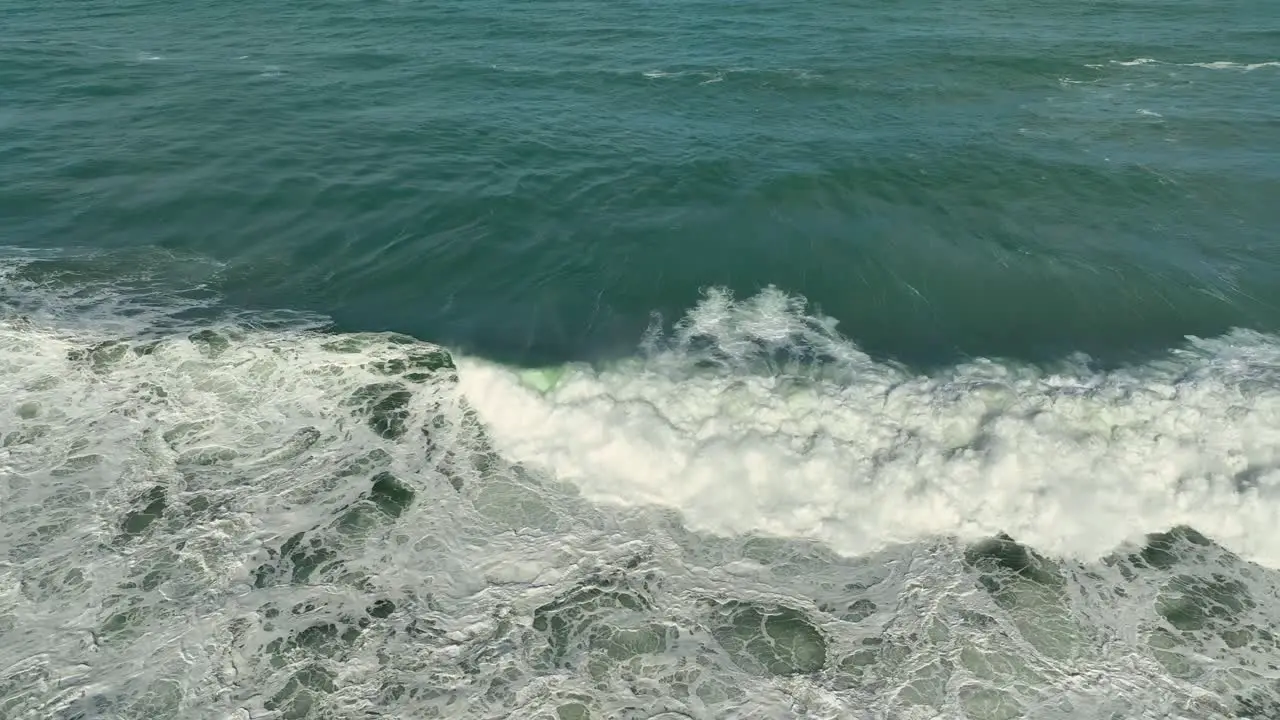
{"x": 1136, "y": 61}
{"x": 1225, "y": 65}
{"x": 192, "y": 528}
{"x": 1073, "y": 462}
{"x": 1212, "y": 65}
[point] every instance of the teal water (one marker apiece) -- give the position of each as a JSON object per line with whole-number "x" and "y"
{"x": 640, "y": 359}
{"x": 534, "y": 181}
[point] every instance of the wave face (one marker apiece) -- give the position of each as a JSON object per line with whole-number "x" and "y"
{"x": 748, "y": 519}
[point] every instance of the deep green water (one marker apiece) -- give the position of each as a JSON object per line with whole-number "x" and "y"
{"x": 727, "y": 338}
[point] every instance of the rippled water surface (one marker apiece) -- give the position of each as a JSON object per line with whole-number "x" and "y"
{"x": 644, "y": 360}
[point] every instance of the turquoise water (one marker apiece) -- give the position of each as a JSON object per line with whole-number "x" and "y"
{"x": 640, "y": 360}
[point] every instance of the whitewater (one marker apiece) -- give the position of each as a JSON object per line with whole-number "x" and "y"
{"x": 749, "y": 518}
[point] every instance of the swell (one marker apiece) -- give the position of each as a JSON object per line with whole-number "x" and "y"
{"x": 537, "y": 211}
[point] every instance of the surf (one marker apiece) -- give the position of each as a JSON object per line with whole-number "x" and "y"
{"x": 235, "y": 519}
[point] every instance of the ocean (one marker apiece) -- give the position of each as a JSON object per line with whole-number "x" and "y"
{"x": 640, "y": 360}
